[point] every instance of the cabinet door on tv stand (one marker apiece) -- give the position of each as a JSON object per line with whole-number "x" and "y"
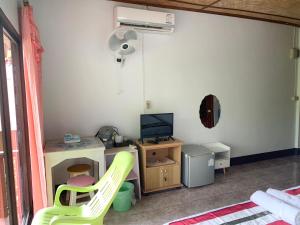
{"x": 171, "y": 175}
{"x": 153, "y": 179}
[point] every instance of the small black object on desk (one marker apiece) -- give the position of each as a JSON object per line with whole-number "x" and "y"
{"x": 123, "y": 144}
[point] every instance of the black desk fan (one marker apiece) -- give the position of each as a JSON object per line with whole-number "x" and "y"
{"x": 106, "y": 135}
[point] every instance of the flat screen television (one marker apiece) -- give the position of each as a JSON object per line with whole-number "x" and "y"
{"x": 157, "y": 125}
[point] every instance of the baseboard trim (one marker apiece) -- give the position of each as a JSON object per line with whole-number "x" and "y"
{"x": 264, "y": 156}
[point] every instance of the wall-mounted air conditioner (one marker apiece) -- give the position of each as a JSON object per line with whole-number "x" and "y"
{"x": 144, "y": 20}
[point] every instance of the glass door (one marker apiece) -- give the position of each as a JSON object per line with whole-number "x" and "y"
{"x": 15, "y": 195}
{"x": 11, "y": 70}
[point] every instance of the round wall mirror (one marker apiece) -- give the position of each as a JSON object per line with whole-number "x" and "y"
{"x": 210, "y": 111}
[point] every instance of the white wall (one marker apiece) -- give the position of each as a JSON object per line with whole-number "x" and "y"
{"x": 244, "y": 63}
{"x": 10, "y": 8}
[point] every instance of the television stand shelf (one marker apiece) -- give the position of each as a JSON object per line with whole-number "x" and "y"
{"x": 160, "y": 162}
{"x": 160, "y": 165}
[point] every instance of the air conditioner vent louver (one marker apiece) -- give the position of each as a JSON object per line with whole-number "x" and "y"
{"x": 141, "y": 26}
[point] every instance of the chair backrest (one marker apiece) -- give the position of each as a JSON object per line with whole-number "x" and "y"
{"x": 110, "y": 183}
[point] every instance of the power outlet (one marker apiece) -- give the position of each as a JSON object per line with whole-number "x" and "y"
{"x": 148, "y": 104}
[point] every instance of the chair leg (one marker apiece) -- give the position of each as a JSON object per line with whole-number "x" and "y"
{"x": 92, "y": 194}
{"x": 73, "y": 198}
{"x": 68, "y": 196}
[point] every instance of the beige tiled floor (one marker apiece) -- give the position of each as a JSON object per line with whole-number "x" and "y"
{"x": 236, "y": 186}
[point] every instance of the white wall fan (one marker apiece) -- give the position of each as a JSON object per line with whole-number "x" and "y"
{"x": 123, "y": 42}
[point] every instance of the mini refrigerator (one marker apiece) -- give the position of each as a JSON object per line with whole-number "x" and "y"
{"x": 198, "y": 166}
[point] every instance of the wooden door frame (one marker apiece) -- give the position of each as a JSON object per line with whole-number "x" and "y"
{"x": 25, "y": 154}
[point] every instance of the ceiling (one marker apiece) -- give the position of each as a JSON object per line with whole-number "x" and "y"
{"x": 278, "y": 11}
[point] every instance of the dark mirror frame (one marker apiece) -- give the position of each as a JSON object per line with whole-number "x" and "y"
{"x": 210, "y": 111}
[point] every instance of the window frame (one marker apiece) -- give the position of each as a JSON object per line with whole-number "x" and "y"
{"x": 6, "y": 25}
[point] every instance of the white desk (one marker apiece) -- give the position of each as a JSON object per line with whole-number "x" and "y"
{"x": 56, "y": 152}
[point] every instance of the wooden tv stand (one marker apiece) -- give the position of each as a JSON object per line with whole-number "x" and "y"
{"x": 160, "y": 165}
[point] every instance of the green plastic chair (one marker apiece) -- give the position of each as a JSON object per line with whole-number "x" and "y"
{"x": 94, "y": 211}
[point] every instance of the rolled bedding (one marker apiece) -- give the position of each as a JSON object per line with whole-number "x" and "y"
{"x": 286, "y": 212}
{"x": 290, "y": 199}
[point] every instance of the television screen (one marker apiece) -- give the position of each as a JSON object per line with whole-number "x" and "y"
{"x": 156, "y": 125}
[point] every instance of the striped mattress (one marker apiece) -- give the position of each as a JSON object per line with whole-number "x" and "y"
{"x": 242, "y": 213}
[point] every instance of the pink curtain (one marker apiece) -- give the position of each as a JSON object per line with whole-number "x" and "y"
{"x": 32, "y": 56}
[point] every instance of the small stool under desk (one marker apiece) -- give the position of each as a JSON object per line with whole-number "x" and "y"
{"x": 134, "y": 175}
{"x": 79, "y": 176}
